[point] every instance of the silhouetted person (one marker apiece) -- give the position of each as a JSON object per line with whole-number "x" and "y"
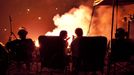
{"x": 120, "y": 34}
{"x": 75, "y": 50}
{"x": 121, "y": 48}
{"x": 3, "y": 60}
{"x": 63, "y": 35}
{"x": 22, "y": 49}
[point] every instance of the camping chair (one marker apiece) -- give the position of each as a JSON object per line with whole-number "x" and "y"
{"x": 52, "y": 53}
{"x": 119, "y": 58}
{"x": 92, "y": 54}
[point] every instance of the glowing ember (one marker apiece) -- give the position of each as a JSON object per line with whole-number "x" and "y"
{"x": 56, "y": 8}
{"x": 28, "y": 10}
{"x": 39, "y": 18}
{"x": 5, "y": 29}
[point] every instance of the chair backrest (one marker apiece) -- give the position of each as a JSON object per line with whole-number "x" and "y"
{"x": 92, "y": 52}
{"x": 121, "y": 50}
{"x": 52, "y": 52}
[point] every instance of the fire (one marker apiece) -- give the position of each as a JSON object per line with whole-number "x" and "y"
{"x": 80, "y": 17}
{"x": 76, "y": 17}
{"x": 37, "y": 43}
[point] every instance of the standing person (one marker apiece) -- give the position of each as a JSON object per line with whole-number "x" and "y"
{"x": 75, "y": 50}
{"x": 63, "y": 35}
{"x": 22, "y": 49}
{"x": 121, "y": 34}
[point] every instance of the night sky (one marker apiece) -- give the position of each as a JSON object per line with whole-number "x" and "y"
{"x": 37, "y": 15}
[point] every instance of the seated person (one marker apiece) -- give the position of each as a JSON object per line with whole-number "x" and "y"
{"x": 21, "y": 48}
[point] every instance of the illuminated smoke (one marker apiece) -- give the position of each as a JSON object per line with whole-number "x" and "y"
{"x": 76, "y": 17}
{"x": 80, "y": 17}
{"x": 101, "y": 25}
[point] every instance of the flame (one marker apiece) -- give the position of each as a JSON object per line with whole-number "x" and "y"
{"x": 37, "y": 43}
{"x": 80, "y": 17}
{"x": 76, "y": 17}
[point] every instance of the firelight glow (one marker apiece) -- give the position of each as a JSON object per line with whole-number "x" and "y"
{"x": 26, "y": 13}
{"x": 76, "y": 17}
{"x": 37, "y": 43}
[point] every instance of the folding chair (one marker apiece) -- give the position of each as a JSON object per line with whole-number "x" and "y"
{"x": 119, "y": 58}
{"x": 92, "y": 53}
{"x": 52, "y": 53}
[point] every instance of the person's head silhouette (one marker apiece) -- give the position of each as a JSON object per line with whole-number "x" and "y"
{"x": 63, "y": 34}
{"x": 22, "y": 33}
{"x": 120, "y": 33}
{"x": 79, "y": 32}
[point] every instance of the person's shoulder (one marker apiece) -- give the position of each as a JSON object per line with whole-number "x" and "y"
{"x": 74, "y": 41}
{"x": 29, "y": 39}
{"x": 13, "y": 41}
